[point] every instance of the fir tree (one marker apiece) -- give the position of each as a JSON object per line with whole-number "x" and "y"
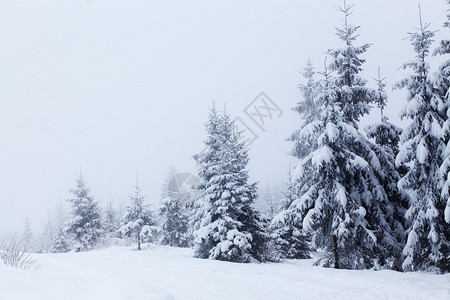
{"x": 322, "y": 206}
{"x": 352, "y": 94}
{"x": 442, "y": 87}
{"x": 355, "y": 98}
{"x": 171, "y": 173}
{"x": 266, "y": 203}
{"x": 138, "y": 221}
{"x": 340, "y": 199}
{"x": 307, "y": 107}
{"x": 427, "y": 246}
{"x": 60, "y": 243}
{"x": 27, "y": 238}
{"x": 46, "y": 238}
{"x": 111, "y": 219}
{"x": 85, "y": 223}
{"x": 288, "y": 238}
{"x": 229, "y": 228}
{"x": 444, "y": 47}
{"x": 387, "y": 136}
{"x": 174, "y": 223}
{"x": 384, "y": 132}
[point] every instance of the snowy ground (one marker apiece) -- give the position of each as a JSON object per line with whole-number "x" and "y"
{"x": 171, "y": 273}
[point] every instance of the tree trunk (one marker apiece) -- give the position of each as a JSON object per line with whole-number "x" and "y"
{"x": 335, "y": 252}
{"x": 139, "y": 242}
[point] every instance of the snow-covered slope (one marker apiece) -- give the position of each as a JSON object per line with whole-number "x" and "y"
{"x": 171, "y": 273}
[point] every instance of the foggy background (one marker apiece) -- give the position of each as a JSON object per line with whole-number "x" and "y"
{"x": 124, "y": 87}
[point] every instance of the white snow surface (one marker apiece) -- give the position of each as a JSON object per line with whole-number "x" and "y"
{"x": 172, "y": 273}
{"x": 422, "y": 152}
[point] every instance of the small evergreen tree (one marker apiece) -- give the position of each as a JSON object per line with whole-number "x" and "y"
{"x": 266, "y": 203}
{"x": 45, "y": 239}
{"x": 110, "y": 224}
{"x": 307, "y": 107}
{"x": 60, "y": 243}
{"x": 27, "y": 239}
{"x": 138, "y": 221}
{"x": 174, "y": 228}
{"x": 229, "y": 228}
{"x": 427, "y": 246}
{"x": 384, "y": 132}
{"x": 165, "y": 189}
{"x": 85, "y": 224}
{"x": 288, "y": 238}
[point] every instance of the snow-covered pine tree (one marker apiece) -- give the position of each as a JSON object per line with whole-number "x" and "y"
{"x": 307, "y": 107}
{"x": 322, "y": 205}
{"x": 355, "y": 99}
{"x": 171, "y": 173}
{"x": 340, "y": 198}
{"x": 384, "y": 132}
{"x": 387, "y": 137}
{"x": 286, "y": 232}
{"x": 422, "y": 146}
{"x": 85, "y": 225}
{"x": 289, "y": 192}
{"x": 444, "y": 47}
{"x": 288, "y": 238}
{"x": 27, "y": 238}
{"x": 45, "y": 240}
{"x": 352, "y": 94}
{"x": 138, "y": 221}
{"x": 110, "y": 221}
{"x": 442, "y": 85}
{"x": 60, "y": 242}
{"x": 265, "y": 203}
{"x": 229, "y": 229}
{"x": 174, "y": 228}
{"x": 181, "y": 186}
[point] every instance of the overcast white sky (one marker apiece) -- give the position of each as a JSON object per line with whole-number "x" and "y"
{"x": 119, "y": 87}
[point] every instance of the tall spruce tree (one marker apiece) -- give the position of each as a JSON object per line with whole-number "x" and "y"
{"x": 355, "y": 99}
{"x": 85, "y": 225}
{"x": 229, "y": 229}
{"x": 341, "y": 200}
{"x": 138, "y": 221}
{"x": 328, "y": 205}
{"x": 442, "y": 86}
{"x": 427, "y": 246}
{"x": 387, "y": 136}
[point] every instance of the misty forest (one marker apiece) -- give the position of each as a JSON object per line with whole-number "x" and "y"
{"x": 373, "y": 200}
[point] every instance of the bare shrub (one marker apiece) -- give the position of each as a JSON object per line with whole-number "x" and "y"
{"x": 13, "y": 253}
